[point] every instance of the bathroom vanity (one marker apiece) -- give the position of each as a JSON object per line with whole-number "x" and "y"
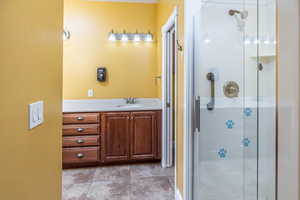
{"x": 99, "y": 132}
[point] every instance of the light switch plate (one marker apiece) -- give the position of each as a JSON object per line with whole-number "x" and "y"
{"x": 90, "y": 93}
{"x": 36, "y": 114}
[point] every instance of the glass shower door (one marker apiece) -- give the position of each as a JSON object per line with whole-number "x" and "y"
{"x": 227, "y": 76}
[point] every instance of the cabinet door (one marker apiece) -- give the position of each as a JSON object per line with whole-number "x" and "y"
{"x": 115, "y": 136}
{"x": 143, "y": 135}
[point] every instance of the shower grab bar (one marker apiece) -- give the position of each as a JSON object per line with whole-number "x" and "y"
{"x": 211, "y": 77}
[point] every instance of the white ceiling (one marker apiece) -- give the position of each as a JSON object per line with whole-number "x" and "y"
{"x": 130, "y": 1}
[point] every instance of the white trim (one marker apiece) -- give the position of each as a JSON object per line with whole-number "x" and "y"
{"x": 178, "y": 195}
{"x": 128, "y": 1}
{"x": 166, "y": 153}
{"x": 171, "y": 21}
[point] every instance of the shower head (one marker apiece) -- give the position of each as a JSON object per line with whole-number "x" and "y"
{"x": 240, "y": 17}
{"x": 243, "y": 14}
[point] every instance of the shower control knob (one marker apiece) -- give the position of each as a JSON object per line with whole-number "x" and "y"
{"x": 231, "y": 89}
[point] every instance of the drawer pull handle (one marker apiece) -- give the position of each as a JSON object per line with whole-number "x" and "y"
{"x": 80, "y": 118}
{"x": 80, "y": 141}
{"x": 80, "y": 129}
{"x": 80, "y": 155}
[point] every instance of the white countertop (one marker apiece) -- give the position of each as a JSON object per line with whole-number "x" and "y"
{"x": 105, "y": 105}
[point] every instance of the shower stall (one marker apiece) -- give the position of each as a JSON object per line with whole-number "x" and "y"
{"x": 233, "y": 72}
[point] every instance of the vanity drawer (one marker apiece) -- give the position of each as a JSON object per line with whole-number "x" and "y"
{"x": 81, "y": 129}
{"x": 79, "y": 141}
{"x": 80, "y": 155}
{"x": 81, "y": 118}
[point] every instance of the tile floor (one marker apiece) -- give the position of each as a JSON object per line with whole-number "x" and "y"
{"x": 124, "y": 182}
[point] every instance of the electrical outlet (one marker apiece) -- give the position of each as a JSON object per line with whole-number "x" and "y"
{"x": 36, "y": 114}
{"x": 90, "y": 93}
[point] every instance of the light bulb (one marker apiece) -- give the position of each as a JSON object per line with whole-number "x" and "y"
{"x": 149, "y": 37}
{"x": 137, "y": 38}
{"x": 112, "y": 37}
{"x": 124, "y": 37}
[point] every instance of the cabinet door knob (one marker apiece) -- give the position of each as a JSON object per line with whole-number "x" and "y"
{"x": 80, "y": 118}
{"x": 80, "y": 141}
{"x": 80, "y": 155}
{"x": 80, "y": 129}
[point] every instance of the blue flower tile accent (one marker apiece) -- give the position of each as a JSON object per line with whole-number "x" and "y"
{"x": 230, "y": 124}
{"x": 248, "y": 112}
{"x": 222, "y": 153}
{"x": 246, "y": 142}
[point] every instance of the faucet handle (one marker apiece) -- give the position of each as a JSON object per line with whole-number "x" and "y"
{"x": 133, "y": 100}
{"x": 126, "y": 99}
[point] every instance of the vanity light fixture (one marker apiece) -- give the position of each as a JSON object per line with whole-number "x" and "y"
{"x": 126, "y": 37}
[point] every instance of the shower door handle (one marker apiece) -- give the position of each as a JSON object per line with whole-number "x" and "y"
{"x": 211, "y": 77}
{"x": 197, "y": 114}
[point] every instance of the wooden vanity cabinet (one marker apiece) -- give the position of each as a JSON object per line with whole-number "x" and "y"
{"x": 130, "y": 136}
{"x": 111, "y": 137}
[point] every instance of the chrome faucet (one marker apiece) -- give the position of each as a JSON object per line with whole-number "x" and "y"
{"x": 130, "y": 100}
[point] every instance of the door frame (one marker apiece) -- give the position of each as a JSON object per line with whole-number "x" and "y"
{"x": 167, "y": 146}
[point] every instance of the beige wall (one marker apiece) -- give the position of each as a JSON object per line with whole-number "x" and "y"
{"x": 164, "y": 11}
{"x": 288, "y": 100}
{"x": 131, "y": 66}
{"x": 30, "y": 70}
